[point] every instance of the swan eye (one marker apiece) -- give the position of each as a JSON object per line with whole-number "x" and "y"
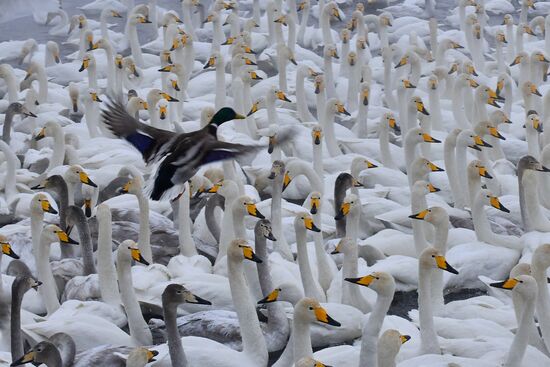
{"x": 310, "y": 308}
{"x": 488, "y": 196}
{"x": 433, "y": 256}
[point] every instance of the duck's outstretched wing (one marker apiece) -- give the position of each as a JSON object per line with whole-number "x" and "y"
{"x": 147, "y": 139}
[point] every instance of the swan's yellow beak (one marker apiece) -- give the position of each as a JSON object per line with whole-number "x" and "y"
{"x": 229, "y": 41}
{"x": 495, "y": 203}
{"x": 115, "y": 14}
{"x": 151, "y": 354}
{"x": 507, "y": 284}
{"x": 541, "y": 58}
{"x": 126, "y": 188}
{"x": 364, "y": 281}
{"x": 432, "y": 83}
{"x": 404, "y": 338}
{"x": 88, "y": 207}
{"x": 47, "y": 207}
{"x": 444, "y": 265}
{"x": 322, "y": 316}
{"x": 318, "y": 84}
{"x": 365, "y": 97}
{"x": 175, "y": 85}
{"x": 473, "y": 83}
{"x": 483, "y": 172}
{"x": 480, "y": 142}
{"x": 215, "y": 188}
{"x": 308, "y": 223}
{"x": 407, "y": 84}
{"x": 492, "y": 102}
{"x": 271, "y": 297}
{"x": 282, "y": 96}
{"x": 315, "y": 204}
{"x": 253, "y": 211}
{"x": 167, "y": 68}
{"x": 435, "y": 168}
{"x": 85, "y": 179}
{"x": 336, "y": 14}
{"x": 420, "y": 215}
{"x": 528, "y": 30}
{"x": 137, "y": 256}
{"x": 432, "y": 188}
{"x": 254, "y": 75}
{"x": 286, "y": 180}
{"x": 175, "y": 44}
{"x": 493, "y": 131}
{"x": 64, "y": 237}
{"x": 454, "y": 68}
{"x": 317, "y": 136}
{"x": 118, "y": 61}
{"x": 27, "y": 358}
{"x": 429, "y": 139}
{"x": 517, "y": 60}
{"x": 534, "y": 90}
{"x": 85, "y": 64}
{"x": 210, "y": 63}
{"x": 500, "y": 86}
{"x": 344, "y": 210}
{"x": 334, "y": 53}
{"x": 537, "y": 125}
{"x": 254, "y": 108}
{"x": 420, "y": 108}
{"x": 501, "y": 38}
{"x": 341, "y": 109}
{"x": 301, "y": 6}
{"x": 404, "y": 61}
{"x": 93, "y": 46}
{"x": 281, "y": 20}
{"x": 249, "y": 254}
{"x": 456, "y": 45}
{"x": 41, "y": 134}
{"x": 271, "y": 144}
{"x": 7, "y": 250}
{"x": 168, "y": 97}
{"x": 95, "y": 97}
{"x": 162, "y": 112}
{"x": 369, "y": 165}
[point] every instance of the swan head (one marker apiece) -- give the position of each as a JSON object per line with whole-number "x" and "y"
{"x": 406, "y": 84}
{"x": 162, "y": 109}
{"x": 226, "y": 188}
{"x": 41, "y": 204}
{"x": 425, "y": 166}
{"x": 239, "y": 250}
{"x": 487, "y": 198}
{"x": 303, "y": 221}
{"x": 310, "y": 310}
{"x": 523, "y": 285}
{"x": 499, "y": 117}
{"x": 139, "y": 18}
{"x": 76, "y": 173}
{"x": 431, "y": 258}
{"x": 352, "y": 58}
{"x": 416, "y": 103}
{"x": 101, "y": 43}
{"x": 351, "y": 202}
{"x": 170, "y": 17}
{"x": 346, "y": 245}
{"x": 309, "y": 362}
{"x": 277, "y": 169}
{"x": 529, "y": 88}
{"x": 390, "y": 343}
{"x": 39, "y": 354}
{"x": 420, "y": 136}
{"x": 336, "y": 106}
{"x": 435, "y": 215}
{"x": 385, "y": 19}
{"x": 521, "y": 57}
{"x": 422, "y": 187}
{"x": 20, "y": 109}
{"x": 6, "y": 247}
{"x": 523, "y": 268}
{"x": 330, "y": 51}
{"x": 317, "y": 134}
{"x": 140, "y": 356}
{"x": 476, "y": 168}
{"x": 155, "y": 95}
{"x": 314, "y": 202}
{"x": 51, "y": 128}
{"x": 500, "y": 37}
{"x": 526, "y": 28}
{"x": 133, "y": 186}
{"x": 508, "y": 19}
{"x": 538, "y": 56}
{"x": 359, "y": 164}
{"x": 137, "y": 103}
{"x": 433, "y": 82}
{"x": 468, "y": 68}
{"x": 87, "y": 61}
{"x": 361, "y": 43}
{"x": 53, "y": 48}
{"x": 247, "y": 206}
{"x": 390, "y": 120}
{"x": 488, "y": 95}
{"x": 533, "y": 122}
{"x": 130, "y": 248}
{"x": 175, "y": 294}
{"x": 380, "y": 281}
{"x": 345, "y": 35}
{"x": 530, "y": 163}
{"x": 55, "y": 234}
{"x": 263, "y": 228}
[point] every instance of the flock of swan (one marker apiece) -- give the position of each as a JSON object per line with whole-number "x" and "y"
{"x": 249, "y": 183}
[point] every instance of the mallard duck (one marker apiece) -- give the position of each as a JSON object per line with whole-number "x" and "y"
{"x": 179, "y": 155}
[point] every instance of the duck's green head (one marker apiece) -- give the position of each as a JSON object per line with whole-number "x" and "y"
{"x": 225, "y": 114}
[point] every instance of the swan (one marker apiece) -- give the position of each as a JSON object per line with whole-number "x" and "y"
{"x": 20, "y": 286}
{"x": 277, "y": 176}
{"x": 200, "y": 350}
{"x": 14, "y": 109}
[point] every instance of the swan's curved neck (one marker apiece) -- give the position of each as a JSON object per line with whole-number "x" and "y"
{"x": 42, "y": 84}
{"x": 139, "y": 331}
{"x": 220, "y": 86}
{"x": 428, "y": 336}
{"x": 459, "y": 113}
{"x": 186, "y": 241}
{"x": 106, "y": 269}
{"x": 330, "y": 135}
{"x": 144, "y": 236}
{"x": 177, "y": 354}
{"x": 227, "y": 231}
{"x": 538, "y": 270}
{"x": 384, "y": 142}
{"x": 301, "y": 100}
{"x": 10, "y": 188}
{"x": 254, "y": 346}
{"x": 85, "y": 239}
{"x": 311, "y": 288}
{"x": 11, "y": 83}
{"x": 329, "y": 76}
{"x": 18, "y": 291}
{"x": 134, "y": 45}
{"x": 48, "y": 290}
{"x": 369, "y": 343}
{"x": 276, "y": 219}
{"x": 519, "y": 345}
{"x": 450, "y": 167}
{"x": 325, "y": 26}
